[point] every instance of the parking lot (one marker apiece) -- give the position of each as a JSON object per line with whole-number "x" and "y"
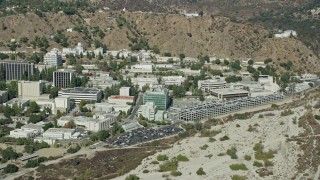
{"x": 143, "y": 135}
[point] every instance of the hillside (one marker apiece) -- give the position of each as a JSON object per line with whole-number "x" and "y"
{"x": 214, "y": 36}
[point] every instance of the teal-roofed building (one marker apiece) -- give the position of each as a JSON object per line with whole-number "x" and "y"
{"x": 159, "y": 96}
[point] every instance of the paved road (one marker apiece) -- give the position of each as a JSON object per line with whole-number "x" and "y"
{"x": 136, "y": 107}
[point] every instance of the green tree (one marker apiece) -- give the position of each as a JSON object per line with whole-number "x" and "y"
{"x": 34, "y": 107}
{"x": 226, "y": 62}
{"x": 217, "y": 61}
{"x": 251, "y": 69}
{"x": 103, "y": 135}
{"x": 10, "y": 168}
{"x": 250, "y": 62}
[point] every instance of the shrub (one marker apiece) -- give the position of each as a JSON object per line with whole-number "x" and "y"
{"x": 204, "y": 147}
{"x": 132, "y": 177}
{"x": 260, "y": 155}
{"x": 10, "y": 168}
{"x": 176, "y": 173}
{"x": 268, "y": 163}
{"x": 247, "y": 157}
{"x": 224, "y": 138}
{"x": 232, "y": 152}
{"x": 242, "y": 116}
{"x": 145, "y": 171}
{"x": 238, "y": 125}
{"x": 274, "y": 106}
{"x": 182, "y": 158}
{"x": 211, "y": 139}
{"x": 171, "y": 165}
{"x": 287, "y": 112}
{"x": 161, "y": 157}
{"x": 258, "y": 147}
{"x": 72, "y": 150}
{"x": 238, "y": 177}
{"x": 257, "y": 164}
{"x": 208, "y": 133}
{"x": 317, "y": 117}
{"x": 236, "y": 167}
{"x": 200, "y": 172}
{"x": 154, "y": 162}
{"x": 221, "y": 154}
{"x": 260, "y": 116}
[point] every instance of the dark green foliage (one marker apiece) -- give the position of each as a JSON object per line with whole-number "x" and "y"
{"x": 72, "y": 150}
{"x": 8, "y": 154}
{"x": 257, "y": 164}
{"x": 233, "y": 78}
{"x": 236, "y": 167}
{"x": 200, "y": 172}
{"x": 171, "y": 165}
{"x": 47, "y": 126}
{"x": 10, "y": 168}
{"x": 182, "y": 158}
{"x": 132, "y": 177}
{"x": 162, "y": 157}
{"x": 232, "y": 152}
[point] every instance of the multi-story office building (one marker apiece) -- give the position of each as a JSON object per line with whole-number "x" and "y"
{"x": 148, "y": 111}
{"x": 210, "y": 84}
{"x": 53, "y": 58}
{"x": 30, "y": 89}
{"x": 14, "y": 70}
{"x": 79, "y": 93}
{"x": 62, "y": 78}
{"x": 159, "y": 96}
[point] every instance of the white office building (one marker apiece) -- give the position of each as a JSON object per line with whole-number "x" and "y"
{"x": 173, "y": 80}
{"x": 148, "y": 110}
{"x": 210, "y": 84}
{"x": 79, "y": 93}
{"x": 58, "y": 133}
{"x": 53, "y": 58}
{"x": 125, "y": 91}
{"x": 144, "y": 81}
{"x": 30, "y": 89}
{"x": 62, "y": 104}
{"x": 142, "y": 68}
{"x": 27, "y": 131}
{"x": 22, "y": 103}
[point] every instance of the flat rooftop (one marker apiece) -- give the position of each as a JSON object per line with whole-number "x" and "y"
{"x": 60, "y": 130}
{"x": 229, "y": 91}
{"x": 17, "y": 100}
{"x": 81, "y": 90}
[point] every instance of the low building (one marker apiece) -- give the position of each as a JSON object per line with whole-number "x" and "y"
{"x": 27, "y": 131}
{"x": 148, "y": 111}
{"x": 59, "y": 133}
{"x": 142, "y": 68}
{"x": 61, "y": 104}
{"x": 125, "y": 91}
{"x": 45, "y": 103}
{"x": 121, "y": 100}
{"x": 93, "y": 125}
{"x": 211, "y": 84}
{"x": 128, "y": 127}
{"x": 79, "y": 93}
{"x": 229, "y": 93}
{"x": 3, "y": 97}
{"x": 144, "y": 81}
{"x": 173, "y": 80}
{"x": 22, "y": 103}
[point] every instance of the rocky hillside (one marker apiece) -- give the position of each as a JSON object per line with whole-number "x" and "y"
{"x": 214, "y": 36}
